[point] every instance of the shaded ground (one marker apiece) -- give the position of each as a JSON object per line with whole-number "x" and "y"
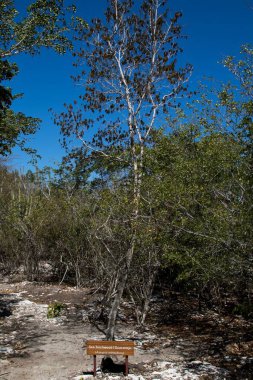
{"x": 222, "y": 340}
{"x": 179, "y": 343}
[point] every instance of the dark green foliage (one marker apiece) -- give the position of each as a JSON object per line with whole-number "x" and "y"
{"x": 46, "y": 24}
{"x": 244, "y": 309}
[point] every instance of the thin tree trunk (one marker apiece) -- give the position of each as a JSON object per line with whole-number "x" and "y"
{"x": 148, "y": 294}
{"x": 110, "y": 331}
{"x": 122, "y": 281}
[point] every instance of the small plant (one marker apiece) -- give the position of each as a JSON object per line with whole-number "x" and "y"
{"x": 55, "y": 309}
{"x": 243, "y": 309}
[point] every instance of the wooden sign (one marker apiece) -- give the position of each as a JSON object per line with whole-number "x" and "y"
{"x": 106, "y": 347}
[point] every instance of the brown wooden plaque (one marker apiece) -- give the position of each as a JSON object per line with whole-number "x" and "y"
{"x": 107, "y": 347}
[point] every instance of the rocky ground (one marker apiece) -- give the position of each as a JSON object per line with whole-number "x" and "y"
{"x": 178, "y": 343}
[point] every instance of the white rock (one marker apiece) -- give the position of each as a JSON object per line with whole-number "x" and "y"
{"x": 6, "y": 350}
{"x": 135, "y": 377}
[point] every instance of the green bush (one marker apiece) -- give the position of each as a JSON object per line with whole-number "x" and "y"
{"x": 54, "y": 309}
{"x": 244, "y": 309}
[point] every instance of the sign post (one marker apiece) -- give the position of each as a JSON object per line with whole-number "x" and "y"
{"x": 94, "y": 365}
{"x": 106, "y": 347}
{"x": 126, "y": 366}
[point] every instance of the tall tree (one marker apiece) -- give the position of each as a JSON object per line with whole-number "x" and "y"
{"x": 130, "y": 84}
{"x": 46, "y": 24}
{"x": 238, "y": 103}
{"x": 207, "y": 215}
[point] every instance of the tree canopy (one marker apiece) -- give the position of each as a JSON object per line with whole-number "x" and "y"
{"x": 46, "y": 24}
{"x": 152, "y": 194}
{"x": 132, "y": 81}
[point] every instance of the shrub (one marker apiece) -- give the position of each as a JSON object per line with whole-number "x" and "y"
{"x": 54, "y": 309}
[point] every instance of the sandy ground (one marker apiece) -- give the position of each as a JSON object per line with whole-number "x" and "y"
{"x": 33, "y": 347}
{"x": 41, "y": 348}
{"x": 55, "y": 356}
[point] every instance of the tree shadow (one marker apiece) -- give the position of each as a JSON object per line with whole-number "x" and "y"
{"x": 6, "y": 303}
{"x": 108, "y": 366}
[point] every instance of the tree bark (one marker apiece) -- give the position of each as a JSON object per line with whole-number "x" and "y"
{"x": 121, "y": 285}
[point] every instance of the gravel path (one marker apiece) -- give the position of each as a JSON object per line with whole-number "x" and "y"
{"x": 33, "y": 347}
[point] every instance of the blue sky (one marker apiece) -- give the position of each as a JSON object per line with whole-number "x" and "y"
{"x": 215, "y": 29}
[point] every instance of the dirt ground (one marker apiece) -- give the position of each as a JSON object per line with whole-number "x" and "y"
{"x": 42, "y": 348}
{"x": 33, "y": 347}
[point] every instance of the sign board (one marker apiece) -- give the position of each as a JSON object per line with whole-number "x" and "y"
{"x": 106, "y": 347}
